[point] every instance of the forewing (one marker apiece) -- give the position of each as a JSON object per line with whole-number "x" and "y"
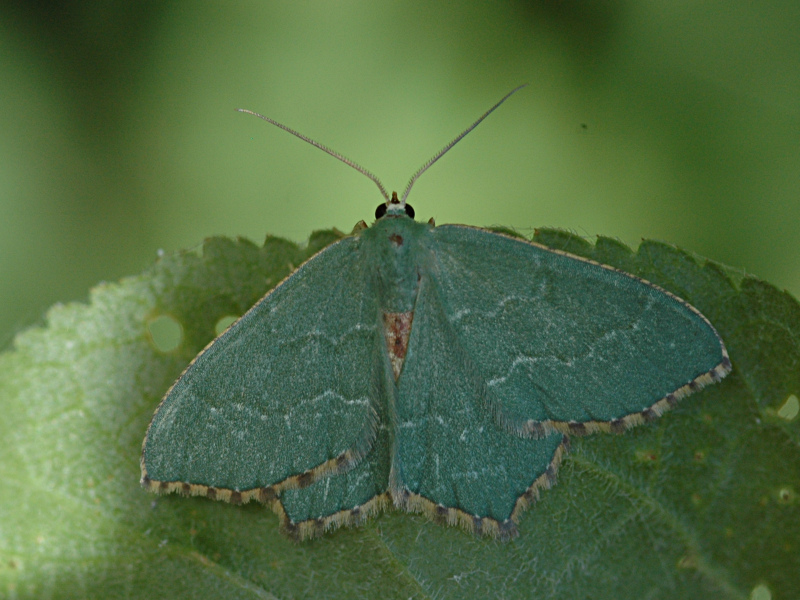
{"x": 568, "y": 343}
{"x": 285, "y": 395}
{"x": 452, "y": 460}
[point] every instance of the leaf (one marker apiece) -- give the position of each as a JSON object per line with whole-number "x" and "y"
{"x": 703, "y": 503}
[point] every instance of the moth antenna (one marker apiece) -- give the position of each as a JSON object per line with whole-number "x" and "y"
{"x": 441, "y": 152}
{"x": 324, "y": 148}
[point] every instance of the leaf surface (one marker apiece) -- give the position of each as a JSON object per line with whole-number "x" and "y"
{"x": 703, "y": 503}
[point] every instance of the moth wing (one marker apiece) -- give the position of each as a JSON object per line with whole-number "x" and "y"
{"x": 350, "y": 497}
{"x": 285, "y": 395}
{"x": 452, "y": 461}
{"x": 567, "y": 343}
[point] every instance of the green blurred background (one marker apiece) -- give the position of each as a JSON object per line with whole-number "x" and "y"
{"x": 674, "y": 120}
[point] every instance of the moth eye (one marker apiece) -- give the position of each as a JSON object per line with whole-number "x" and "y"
{"x": 380, "y": 211}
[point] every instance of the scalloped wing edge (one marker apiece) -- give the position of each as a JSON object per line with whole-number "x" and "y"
{"x": 484, "y": 526}
{"x": 539, "y": 429}
{"x": 402, "y": 499}
{"x": 264, "y": 494}
{"x": 416, "y": 504}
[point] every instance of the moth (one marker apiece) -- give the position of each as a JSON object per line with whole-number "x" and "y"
{"x": 436, "y": 369}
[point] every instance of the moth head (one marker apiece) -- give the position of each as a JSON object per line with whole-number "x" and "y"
{"x": 394, "y": 207}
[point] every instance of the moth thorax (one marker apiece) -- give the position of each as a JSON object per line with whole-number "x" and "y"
{"x": 397, "y": 329}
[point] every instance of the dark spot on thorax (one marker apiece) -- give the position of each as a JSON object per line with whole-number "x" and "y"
{"x": 396, "y": 239}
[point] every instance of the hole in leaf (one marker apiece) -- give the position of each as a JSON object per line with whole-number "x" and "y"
{"x": 790, "y": 408}
{"x": 786, "y": 495}
{"x": 224, "y": 323}
{"x": 760, "y": 592}
{"x": 165, "y": 332}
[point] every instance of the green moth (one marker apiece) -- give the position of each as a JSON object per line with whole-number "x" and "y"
{"x": 437, "y": 369}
